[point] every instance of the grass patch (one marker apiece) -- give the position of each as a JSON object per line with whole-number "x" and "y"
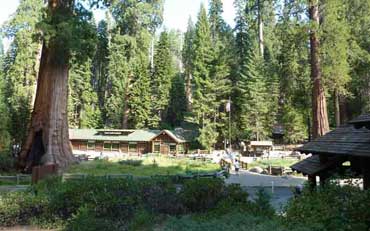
{"x": 144, "y": 167}
{"x": 273, "y": 162}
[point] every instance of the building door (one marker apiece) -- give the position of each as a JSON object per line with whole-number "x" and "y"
{"x": 165, "y": 149}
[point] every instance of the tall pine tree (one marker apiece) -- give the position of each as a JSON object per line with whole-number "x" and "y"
{"x": 162, "y": 78}
{"x": 188, "y": 61}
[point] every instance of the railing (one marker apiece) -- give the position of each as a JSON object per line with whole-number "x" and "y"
{"x": 19, "y": 178}
{"x": 78, "y": 176}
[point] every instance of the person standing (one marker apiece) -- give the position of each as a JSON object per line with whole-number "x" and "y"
{"x": 236, "y": 166}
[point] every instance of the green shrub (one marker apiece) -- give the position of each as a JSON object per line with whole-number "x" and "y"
{"x": 20, "y": 207}
{"x": 202, "y": 194}
{"x": 96, "y": 203}
{"x": 114, "y": 197}
{"x": 6, "y": 162}
{"x": 235, "y": 194}
{"x": 142, "y": 220}
{"x": 331, "y": 208}
{"x": 229, "y": 221}
{"x": 134, "y": 163}
{"x": 162, "y": 197}
{"x": 263, "y": 206}
{"x": 86, "y": 220}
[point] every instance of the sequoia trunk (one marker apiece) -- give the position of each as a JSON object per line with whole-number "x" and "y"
{"x": 48, "y": 138}
{"x": 320, "y": 123}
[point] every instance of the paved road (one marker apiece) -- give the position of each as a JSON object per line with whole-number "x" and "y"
{"x": 278, "y": 187}
{"x": 279, "y": 197}
{"x": 249, "y": 179}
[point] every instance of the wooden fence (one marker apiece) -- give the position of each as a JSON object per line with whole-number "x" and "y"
{"x": 18, "y": 179}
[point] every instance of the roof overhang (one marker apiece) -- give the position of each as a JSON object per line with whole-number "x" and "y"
{"x": 361, "y": 121}
{"x": 313, "y": 166}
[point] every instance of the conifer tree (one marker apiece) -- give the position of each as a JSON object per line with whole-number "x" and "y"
{"x": 334, "y": 51}
{"x": 177, "y": 104}
{"x": 83, "y": 110}
{"x": 4, "y": 118}
{"x": 205, "y": 106}
{"x": 100, "y": 67}
{"x": 188, "y": 61}
{"x": 162, "y": 78}
{"x": 129, "y": 62}
{"x": 294, "y": 80}
{"x": 140, "y": 100}
{"x": 21, "y": 66}
{"x": 252, "y": 97}
{"x": 358, "y": 17}
{"x": 220, "y": 68}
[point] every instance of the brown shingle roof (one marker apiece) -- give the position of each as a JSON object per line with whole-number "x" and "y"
{"x": 312, "y": 165}
{"x": 345, "y": 140}
{"x": 361, "y": 121}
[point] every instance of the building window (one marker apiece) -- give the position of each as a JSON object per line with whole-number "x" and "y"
{"x": 181, "y": 148}
{"x": 173, "y": 148}
{"x": 157, "y": 147}
{"x": 115, "y": 147}
{"x": 132, "y": 147}
{"x": 90, "y": 145}
{"x": 107, "y": 146}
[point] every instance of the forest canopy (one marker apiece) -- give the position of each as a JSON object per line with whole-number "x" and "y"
{"x": 126, "y": 71}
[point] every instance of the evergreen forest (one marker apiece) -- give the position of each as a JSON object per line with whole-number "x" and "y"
{"x": 269, "y": 72}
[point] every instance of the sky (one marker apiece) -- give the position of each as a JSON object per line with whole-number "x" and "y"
{"x": 176, "y": 13}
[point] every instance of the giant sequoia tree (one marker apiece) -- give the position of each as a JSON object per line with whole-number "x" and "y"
{"x": 48, "y": 139}
{"x": 320, "y": 124}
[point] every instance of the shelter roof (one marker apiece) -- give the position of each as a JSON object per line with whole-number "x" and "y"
{"x": 313, "y": 166}
{"x": 361, "y": 121}
{"x": 345, "y": 140}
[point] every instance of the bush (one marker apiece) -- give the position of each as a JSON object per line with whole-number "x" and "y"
{"x": 20, "y": 207}
{"x": 230, "y": 221}
{"x": 6, "y": 162}
{"x": 330, "y": 208}
{"x": 263, "y": 205}
{"x": 115, "y": 197}
{"x": 202, "y": 194}
{"x": 86, "y": 220}
{"x": 162, "y": 197}
{"x": 97, "y": 203}
{"x": 134, "y": 163}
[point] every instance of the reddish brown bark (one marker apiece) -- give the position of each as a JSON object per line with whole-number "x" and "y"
{"x": 320, "y": 123}
{"x": 49, "y": 116}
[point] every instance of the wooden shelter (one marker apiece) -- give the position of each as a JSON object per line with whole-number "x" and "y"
{"x": 257, "y": 148}
{"x": 349, "y": 143}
